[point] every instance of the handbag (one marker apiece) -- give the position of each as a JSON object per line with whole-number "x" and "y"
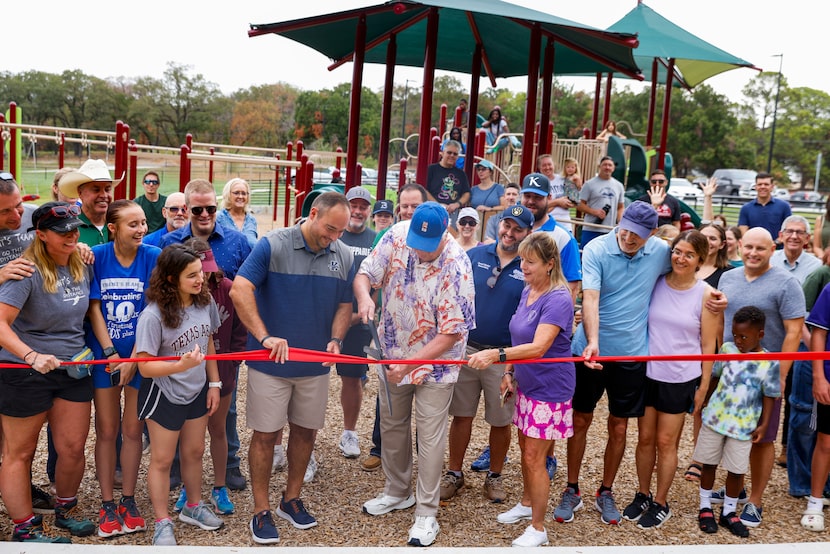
{"x": 79, "y": 371}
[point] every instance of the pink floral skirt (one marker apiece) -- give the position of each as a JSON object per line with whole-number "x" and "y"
{"x": 543, "y": 420}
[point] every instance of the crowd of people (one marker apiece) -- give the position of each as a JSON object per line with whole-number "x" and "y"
{"x": 159, "y": 286}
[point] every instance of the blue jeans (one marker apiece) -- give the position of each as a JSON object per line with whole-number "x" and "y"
{"x": 801, "y": 440}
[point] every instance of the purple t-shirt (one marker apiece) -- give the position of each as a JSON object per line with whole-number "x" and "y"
{"x": 546, "y": 382}
{"x": 820, "y": 317}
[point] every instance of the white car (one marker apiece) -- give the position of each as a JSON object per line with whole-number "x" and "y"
{"x": 684, "y": 190}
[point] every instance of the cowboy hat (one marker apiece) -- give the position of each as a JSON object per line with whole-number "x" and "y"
{"x": 91, "y": 171}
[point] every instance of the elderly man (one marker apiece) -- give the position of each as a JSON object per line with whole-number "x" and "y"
{"x": 779, "y": 295}
{"x": 601, "y": 200}
{"x": 92, "y": 185}
{"x": 499, "y": 282}
{"x": 428, "y": 312}
{"x": 175, "y": 217}
{"x": 446, "y": 184}
{"x": 309, "y": 260}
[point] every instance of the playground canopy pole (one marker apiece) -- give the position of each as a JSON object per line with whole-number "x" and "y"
{"x": 386, "y": 116}
{"x": 472, "y": 109}
{"x": 664, "y": 128}
{"x": 547, "y": 88}
{"x": 354, "y": 104}
{"x": 430, "y": 52}
{"x": 530, "y": 108}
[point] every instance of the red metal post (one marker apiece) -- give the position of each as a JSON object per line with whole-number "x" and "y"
{"x": 664, "y": 125}
{"x": 358, "y": 179}
{"x": 13, "y": 143}
{"x": 288, "y": 156}
{"x": 276, "y": 195}
{"x": 456, "y": 118}
{"x": 472, "y": 110}
{"x": 544, "y": 146}
{"x": 402, "y": 175}
{"x": 652, "y": 103}
{"x": 210, "y": 164}
{"x": 386, "y": 116}
{"x": 122, "y": 133}
{"x": 481, "y": 142}
{"x": 606, "y": 110}
{"x": 338, "y": 161}
{"x": 530, "y": 104}
{"x": 434, "y": 145}
{"x": 184, "y": 164}
{"x": 354, "y": 102}
{"x": 188, "y": 139}
{"x": 132, "y": 175}
{"x": 61, "y": 150}
{"x": 3, "y": 146}
{"x": 595, "y": 114}
{"x": 442, "y": 120}
{"x": 430, "y": 51}
{"x": 550, "y": 134}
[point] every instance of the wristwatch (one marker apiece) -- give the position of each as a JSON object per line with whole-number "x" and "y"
{"x": 109, "y": 351}
{"x": 339, "y": 342}
{"x": 502, "y": 355}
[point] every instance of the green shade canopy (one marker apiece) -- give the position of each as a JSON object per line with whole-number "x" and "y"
{"x": 695, "y": 59}
{"x": 502, "y": 29}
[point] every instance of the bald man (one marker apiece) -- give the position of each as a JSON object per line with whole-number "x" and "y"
{"x": 175, "y": 217}
{"x": 779, "y": 295}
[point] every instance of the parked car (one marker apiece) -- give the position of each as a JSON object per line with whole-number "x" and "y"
{"x": 684, "y": 190}
{"x": 735, "y": 182}
{"x": 782, "y": 194}
{"x": 805, "y": 196}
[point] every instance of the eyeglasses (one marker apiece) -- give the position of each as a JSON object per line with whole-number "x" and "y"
{"x": 450, "y": 153}
{"x": 491, "y": 281}
{"x": 197, "y": 210}
{"x": 151, "y": 181}
{"x": 467, "y": 222}
{"x": 797, "y": 232}
{"x": 688, "y": 256}
{"x": 6, "y": 176}
{"x": 658, "y": 181}
{"x": 177, "y": 209}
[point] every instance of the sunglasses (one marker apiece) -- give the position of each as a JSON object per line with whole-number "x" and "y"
{"x": 197, "y": 210}
{"x": 491, "y": 281}
{"x": 450, "y": 153}
{"x": 151, "y": 181}
{"x": 467, "y": 222}
{"x": 177, "y": 209}
{"x": 72, "y": 210}
{"x": 658, "y": 181}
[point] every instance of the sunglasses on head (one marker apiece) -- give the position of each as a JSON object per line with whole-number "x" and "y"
{"x": 151, "y": 181}
{"x": 73, "y": 210}
{"x": 197, "y": 210}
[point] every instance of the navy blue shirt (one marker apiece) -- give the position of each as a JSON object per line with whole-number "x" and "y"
{"x": 230, "y": 247}
{"x": 770, "y": 216}
{"x": 494, "y": 306}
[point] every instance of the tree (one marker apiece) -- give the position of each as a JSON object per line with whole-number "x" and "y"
{"x": 264, "y": 115}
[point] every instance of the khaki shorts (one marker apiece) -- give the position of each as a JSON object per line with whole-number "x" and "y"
{"x": 467, "y": 393}
{"x": 275, "y": 401}
{"x": 718, "y": 450}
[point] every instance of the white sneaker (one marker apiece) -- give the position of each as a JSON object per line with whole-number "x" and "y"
{"x": 424, "y": 531}
{"x": 531, "y": 538}
{"x": 515, "y": 514}
{"x": 383, "y": 504}
{"x": 349, "y": 445}
{"x": 310, "y": 469}
{"x": 280, "y": 461}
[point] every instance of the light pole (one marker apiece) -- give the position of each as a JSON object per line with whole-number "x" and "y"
{"x": 403, "y": 119}
{"x": 775, "y": 111}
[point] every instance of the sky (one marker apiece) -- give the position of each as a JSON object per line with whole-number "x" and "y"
{"x": 138, "y": 39}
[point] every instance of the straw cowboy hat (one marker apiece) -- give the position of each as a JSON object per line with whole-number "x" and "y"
{"x": 92, "y": 171}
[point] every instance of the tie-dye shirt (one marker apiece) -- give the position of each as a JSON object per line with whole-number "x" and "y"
{"x": 422, "y": 299}
{"x": 735, "y": 407}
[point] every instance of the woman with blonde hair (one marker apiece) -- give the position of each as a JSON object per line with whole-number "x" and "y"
{"x": 540, "y": 328}
{"x": 236, "y": 210}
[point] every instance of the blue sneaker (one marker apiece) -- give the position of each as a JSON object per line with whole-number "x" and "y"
{"x": 294, "y": 511}
{"x": 220, "y": 500}
{"x": 720, "y": 494}
{"x": 551, "y": 464}
{"x": 571, "y": 502}
{"x": 482, "y": 463}
{"x": 263, "y": 530}
{"x": 751, "y": 515}
{"x": 181, "y": 501}
{"x": 607, "y": 506}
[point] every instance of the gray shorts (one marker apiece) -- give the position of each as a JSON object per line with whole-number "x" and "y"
{"x": 274, "y": 401}
{"x": 719, "y": 450}
{"x": 467, "y": 393}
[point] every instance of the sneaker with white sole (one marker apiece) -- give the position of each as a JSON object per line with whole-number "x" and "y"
{"x": 201, "y": 516}
{"x": 720, "y": 494}
{"x": 494, "y": 488}
{"x": 571, "y": 502}
{"x": 263, "y": 530}
{"x": 638, "y": 507}
{"x": 606, "y": 505}
{"x": 221, "y": 500}
{"x": 163, "y": 534}
{"x": 383, "y": 504}
{"x": 349, "y": 444}
{"x": 515, "y": 514}
{"x": 450, "y": 485}
{"x": 295, "y": 513}
{"x": 655, "y": 516}
{"x": 424, "y": 531}
{"x": 751, "y": 515}
{"x": 532, "y": 538}
{"x": 311, "y": 469}
{"x": 280, "y": 462}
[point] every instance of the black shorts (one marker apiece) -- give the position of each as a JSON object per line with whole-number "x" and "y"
{"x": 625, "y": 383}
{"x": 24, "y": 392}
{"x": 671, "y": 398}
{"x": 357, "y": 337}
{"x": 152, "y": 404}
{"x": 822, "y": 418}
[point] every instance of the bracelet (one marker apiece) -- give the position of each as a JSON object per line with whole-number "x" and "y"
{"x": 506, "y": 373}
{"x": 265, "y": 338}
{"x": 502, "y": 355}
{"x": 215, "y": 385}
{"x": 27, "y": 355}
{"x": 337, "y": 341}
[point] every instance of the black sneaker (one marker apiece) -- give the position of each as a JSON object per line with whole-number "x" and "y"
{"x": 655, "y": 517}
{"x": 42, "y": 501}
{"x": 234, "y": 479}
{"x": 638, "y": 507}
{"x": 732, "y": 522}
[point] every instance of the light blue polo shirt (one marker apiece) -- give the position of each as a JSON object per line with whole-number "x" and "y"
{"x": 625, "y": 284}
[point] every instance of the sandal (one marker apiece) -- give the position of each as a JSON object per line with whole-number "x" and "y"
{"x": 693, "y": 472}
{"x": 813, "y": 520}
{"x": 706, "y": 521}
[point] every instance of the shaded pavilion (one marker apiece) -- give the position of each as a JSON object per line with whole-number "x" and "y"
{"x": 439, "y": 34}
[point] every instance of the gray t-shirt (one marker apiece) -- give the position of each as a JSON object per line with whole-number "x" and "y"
{"x": 598, "y": 193}
{"x": 776, "y": 293}
{"x": 14, "y": 242}
{"x": 155, "y": 339}
{"x": 48, "y": 323}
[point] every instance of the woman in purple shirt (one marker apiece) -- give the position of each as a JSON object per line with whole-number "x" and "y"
{"x": 540, "y": 328}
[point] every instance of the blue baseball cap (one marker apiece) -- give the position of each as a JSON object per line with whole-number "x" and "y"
{"x": 537, "y": 184}
{"x": 640, "y": 218}
{"x": 427, "y": 228}
{"x": 521, "y": 215}
{"x": 384, "y": 206}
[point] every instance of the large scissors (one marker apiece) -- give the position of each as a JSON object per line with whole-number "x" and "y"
{"x": 377, "y": 353}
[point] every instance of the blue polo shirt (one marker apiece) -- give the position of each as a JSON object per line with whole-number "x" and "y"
{"x": 568, "y": 249}
{"x": 494, "y": 306}
{"x": 297, "y": 294}
{"x": 625, "y": 284}
{"x": 770, "y": 216}
{"x": 230, "y": 247}
{"x": 154, "y": 238}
